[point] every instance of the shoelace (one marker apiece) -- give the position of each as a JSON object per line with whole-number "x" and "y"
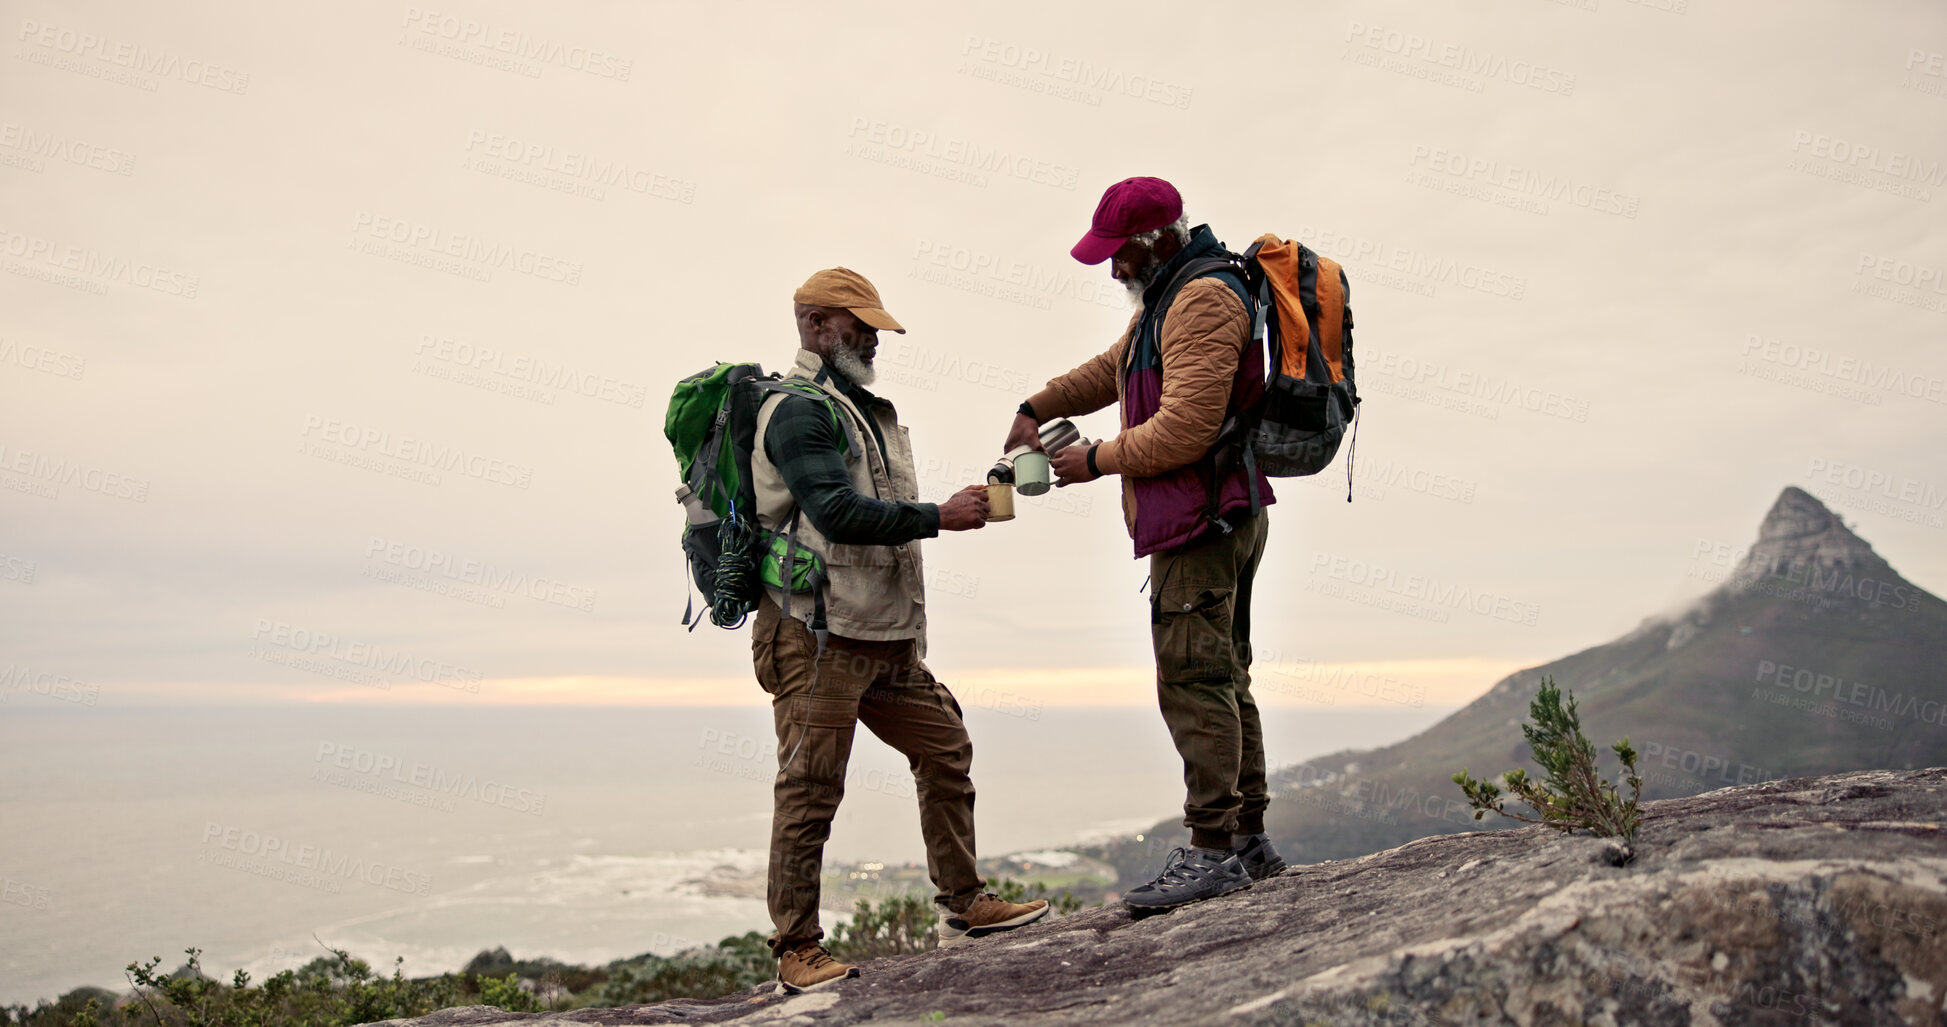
{"x": 1173, "y": 868}
{"x": 975, "y": 904}
{"x": 817, "y": 959}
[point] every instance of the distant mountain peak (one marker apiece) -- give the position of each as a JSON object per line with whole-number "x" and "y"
{"x": 1800, "y": 533}
{"x": 1796, "y": 513}
{"x": 1811, "y": 656}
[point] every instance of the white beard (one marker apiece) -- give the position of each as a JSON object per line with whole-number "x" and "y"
{"x": 852, "y": 365}
{"x": 1137, "y": 285}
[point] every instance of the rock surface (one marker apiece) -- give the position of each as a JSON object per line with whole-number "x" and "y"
{"x": 1809, "y": 900}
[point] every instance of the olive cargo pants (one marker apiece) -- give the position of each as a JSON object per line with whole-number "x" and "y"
{"x": 1200, "y": 625}
{"x": 884, "y": 686}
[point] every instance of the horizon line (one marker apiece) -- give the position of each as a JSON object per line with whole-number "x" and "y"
{"x": 1276, "y": 684}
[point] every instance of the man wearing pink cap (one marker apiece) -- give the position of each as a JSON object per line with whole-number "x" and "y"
{"x": 1180, "y": 368}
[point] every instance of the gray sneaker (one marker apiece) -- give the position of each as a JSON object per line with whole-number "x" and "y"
{"x": 1189, "y": 875}
{"x": 1259, "y": 858}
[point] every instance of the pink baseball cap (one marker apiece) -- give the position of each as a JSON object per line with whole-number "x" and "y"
{"x": 1129, "y": 207}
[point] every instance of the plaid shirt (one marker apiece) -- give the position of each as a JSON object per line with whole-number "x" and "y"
{"x": 809, "y": 451}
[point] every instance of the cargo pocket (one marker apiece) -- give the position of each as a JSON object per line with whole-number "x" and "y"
{"x": 776, "y": 644}
{"x": 1190, "y": 627}
{"x": 863, "y": 589}
{"x": 763, "y": 655}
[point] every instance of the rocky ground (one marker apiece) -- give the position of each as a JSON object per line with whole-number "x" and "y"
{"x": 1810, "y": 900}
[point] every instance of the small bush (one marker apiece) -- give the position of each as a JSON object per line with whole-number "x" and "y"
{"x": 506, "y": 993}
{"x": 1064, "y": 901}
{"x": 1571, "y": 793}
{"x": 734, "y": 964}
{"x": 899, "y": 925}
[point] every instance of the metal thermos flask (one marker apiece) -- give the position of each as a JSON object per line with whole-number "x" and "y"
{"x": 1058, "y": 435}
{"x": 1031, "y": 472}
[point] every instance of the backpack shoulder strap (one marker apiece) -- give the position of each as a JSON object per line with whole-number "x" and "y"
{"x": 1234, "y": 276}
{"x": 1228, "y": 267}
{"x": 806, "y": 390}
{"x": 1235, "y": 430}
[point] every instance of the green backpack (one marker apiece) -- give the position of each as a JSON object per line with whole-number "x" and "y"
{"x": 712, "y": 426}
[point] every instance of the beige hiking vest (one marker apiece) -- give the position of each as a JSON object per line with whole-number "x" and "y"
{"x": 876, "y": 593}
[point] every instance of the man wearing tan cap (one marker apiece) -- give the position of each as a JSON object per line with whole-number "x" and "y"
{"x": 834, "y": 475}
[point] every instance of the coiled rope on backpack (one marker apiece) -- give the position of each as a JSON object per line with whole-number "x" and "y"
{"x": 735, "y": 571}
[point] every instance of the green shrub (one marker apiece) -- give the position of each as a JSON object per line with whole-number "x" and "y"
{"x": 506, "y": 993}
{"x": 1064, "y": 901}
{"x": 734, "y": 964}
{"x": 330, "y": 991}
{"x": 1571, "y": 794}
{"x": 338, "y": 990}
{"x": 899, "y": 925}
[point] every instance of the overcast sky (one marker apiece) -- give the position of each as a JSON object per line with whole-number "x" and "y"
{"x": 1622, "y": 270}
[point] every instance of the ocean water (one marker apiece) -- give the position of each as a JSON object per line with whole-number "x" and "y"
{"x": 260, "y": 834}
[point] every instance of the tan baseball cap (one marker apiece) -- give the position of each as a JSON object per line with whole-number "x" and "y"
{"x": 843, "y": 287}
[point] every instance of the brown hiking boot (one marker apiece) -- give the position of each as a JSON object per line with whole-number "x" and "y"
{"x": 988, "y": 915}
{"x": 808, "y": 966}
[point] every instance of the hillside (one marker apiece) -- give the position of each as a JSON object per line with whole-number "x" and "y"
{"x": 1812, "y": 899}
{"x": 1814, "y": 656}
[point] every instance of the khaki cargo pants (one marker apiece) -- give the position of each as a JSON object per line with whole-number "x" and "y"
{"x": 884, "y": 686}
{"x": 1200, "y": 625}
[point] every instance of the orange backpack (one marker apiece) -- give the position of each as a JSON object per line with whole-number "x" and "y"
{"x": 1302, "y": 320}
